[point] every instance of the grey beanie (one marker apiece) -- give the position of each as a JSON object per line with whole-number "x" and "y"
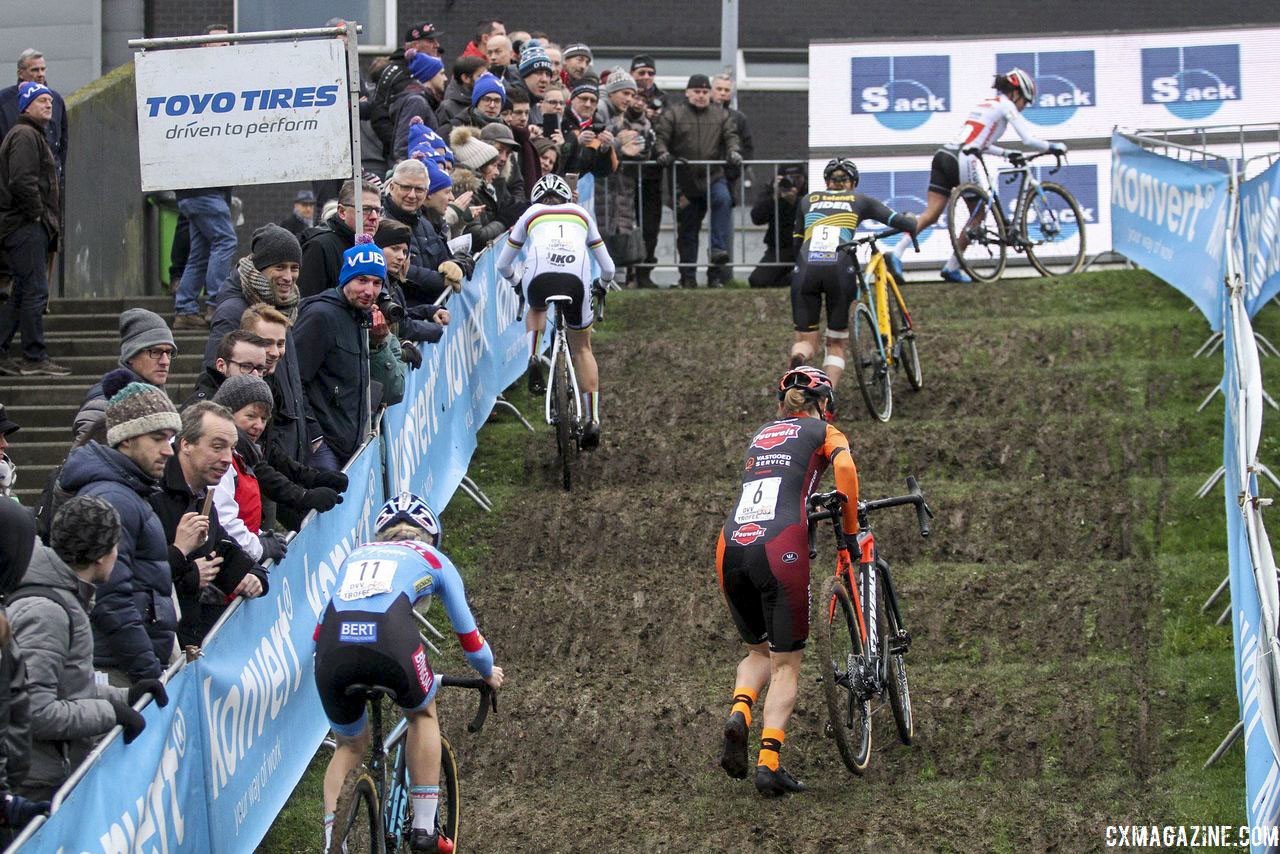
{"x": 619, "y": 79}
{"x": 274, "y": 245}
{"x": 236, "y": 393}
{"x": 140, "y": 329}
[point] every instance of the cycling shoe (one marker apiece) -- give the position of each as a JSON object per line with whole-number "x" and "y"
{"x": 956, "y": 276}
{"x": 773, "y": 784}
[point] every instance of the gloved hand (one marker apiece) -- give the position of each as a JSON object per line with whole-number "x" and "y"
{"x": 379, "y": 331}
{"x": 1057, "y": 148}
{"x": 18, "y": 811}
{"x": 321, "y": 498}
{"x": 422, "y": 312}
{"x": 734, "y": 159}
{"x": 410, "y": 355}
{"x": 332, "y": 479}
{"x": 273, "y": 546}
{"x": 466, "y": 262}
{"x": 1017, "y": 158}
{"x": 128, "y": 718}
{"x": 154, "y": 687}
{"x": 665, "y": 159}
{"x": 452, "y": 274}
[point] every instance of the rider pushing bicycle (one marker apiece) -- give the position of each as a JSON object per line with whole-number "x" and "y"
{"x": 556, "y": 235}
{"x": 953, "y": 166}
{"x": 824, "y": 220}
{"x": 368, "y": 635}
{"x": 762, "y": 560}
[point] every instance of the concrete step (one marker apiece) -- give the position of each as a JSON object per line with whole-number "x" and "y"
{"x": 31, "y": 416}
{"x": 161, "y": 304}
{"x": 96, "y": 366}
{"x": 21, "y": 389}
{"x": 40, "y": 453}
{"x": 84, "y": 343}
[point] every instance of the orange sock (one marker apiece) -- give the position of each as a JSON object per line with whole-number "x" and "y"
{"x": 770, "y": 748}
{"x": 742, "y": 700}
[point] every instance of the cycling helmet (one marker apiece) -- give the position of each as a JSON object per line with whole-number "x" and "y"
{"x": 842, "y": 164}
{"x": 813, "y": 382}
{"x": 1021, "y": 83}
{"x": 407, "y": 507}
{"x": 551, "y": 185}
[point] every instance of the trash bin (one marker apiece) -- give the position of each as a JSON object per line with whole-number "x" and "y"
{"x": 166, "y": 205}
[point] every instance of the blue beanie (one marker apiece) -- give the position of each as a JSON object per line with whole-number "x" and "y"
{"x": 437, "y": 179}
{"x": 486, "y": 84}
{"x": 28, "y": 92}
{"x": 423, "y": 66}
{"x": 363, "y": 259}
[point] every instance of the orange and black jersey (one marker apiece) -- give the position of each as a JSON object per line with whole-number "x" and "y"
{"x": 784, "y": 462}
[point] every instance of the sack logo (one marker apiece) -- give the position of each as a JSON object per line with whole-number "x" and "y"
{"x": 1191, "y": 82}
{"x": 1064, "y": 82}
{"x": 902, "y": 92}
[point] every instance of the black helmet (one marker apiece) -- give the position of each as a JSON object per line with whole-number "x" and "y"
{"x": 842, "y": 164}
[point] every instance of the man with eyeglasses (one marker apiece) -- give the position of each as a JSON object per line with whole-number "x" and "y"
{"x": 147, "y": 351}
{"x": 239, "y": 353}
{"x": 323, "y": 245}
{"x": 428, "y": 250}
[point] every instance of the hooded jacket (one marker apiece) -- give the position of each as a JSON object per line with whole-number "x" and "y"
{"x": 68, "y": 710}
{"x": 322, "y": 248}
{"x": 134, "y": 619}
{"x": 333, "y": 361}
{"x": 427, "y": 250}
{"x": 17, "y": 540}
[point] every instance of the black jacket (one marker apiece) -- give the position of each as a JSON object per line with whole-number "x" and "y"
{"x": 413, "y": 101}
{"x": 427, "y": 250}
{"x": 207, "y": 385}
{"x": 322, "y": 248}
{"x": 333, "y": 361}
{"x": 762, "y": 213}
{"x": 55, "y": 133}
{"x": 456, "y": 102}
{"x": 29, "y": 180}
{"x": 294, "y": 224}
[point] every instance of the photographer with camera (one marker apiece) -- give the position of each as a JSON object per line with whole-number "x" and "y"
{"x": 588, "y": 147}
{"x": 777, "y": 204}
{"x": 633, "y": 144}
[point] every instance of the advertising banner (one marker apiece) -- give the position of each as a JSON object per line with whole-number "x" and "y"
{"x": 1169, "y": 217}
{"x": 1259, "y": 232}
{"x": 243, "y": 114}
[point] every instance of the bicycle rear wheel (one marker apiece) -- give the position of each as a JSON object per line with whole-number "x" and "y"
{"x": 449, "y": 808}
{"x": 892, "y": 654}
{"x": 905, "y": 335}
{"x": 869, "y": 364}
{"x": 840, "y": 655}
{"x": 1052, "y": 226}
{"x": 357, "y": 825}
{"x": 972, "y": 219}
{"x": 562, "y": 414}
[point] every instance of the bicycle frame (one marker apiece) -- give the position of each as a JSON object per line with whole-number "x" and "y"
{"x": 1028, "y": 185}
{"x": 560, "y": 350}
{"x": 873, "y": 289}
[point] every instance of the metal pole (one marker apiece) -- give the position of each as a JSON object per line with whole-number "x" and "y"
{"x": 729, "y": 40}
{"x": 353, "y": 97}
{"x": 1204, "y": 609}
{"x": 1236, "y": 732}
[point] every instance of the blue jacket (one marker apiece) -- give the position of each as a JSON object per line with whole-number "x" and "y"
{"x": 333, "y": 362}
{"x": 134, "y": 618}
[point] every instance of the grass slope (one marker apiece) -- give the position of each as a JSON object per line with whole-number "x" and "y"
{"x": 1062, "y": 675}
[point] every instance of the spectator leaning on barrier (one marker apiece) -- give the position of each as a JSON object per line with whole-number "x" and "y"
{"x": 322, "y": 246}
{"x": 238, "y": 495}
{"x": 30, "y": 225}
{"x": 643, "y": 71}
{"x": 722, "y": 94}
{"x": 17, "y": 540}
{"x": 407, "y": 192}
{"x": 303, "y": 214}
{"x": 633, "y": 144}
{"x": 457, "y": 95}
{"x": 134, "y": 618}
{"x": 333, "y": 353}
{"x": 147, "y": 351}
{"x": 49, "y": 612}
{"x": 698, "y": 130}
{"x": 776, "y": 204}
{"x": 239, "y": 353}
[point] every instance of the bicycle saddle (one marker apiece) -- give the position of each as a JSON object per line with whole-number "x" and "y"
{"x": 369, "y": 692}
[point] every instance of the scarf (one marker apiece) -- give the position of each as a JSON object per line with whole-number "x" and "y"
{"x": 256, "y": 288}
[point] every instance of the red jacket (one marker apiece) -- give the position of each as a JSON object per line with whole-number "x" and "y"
{"x": 473, "y": 49}
{"x": 248, "y": 495}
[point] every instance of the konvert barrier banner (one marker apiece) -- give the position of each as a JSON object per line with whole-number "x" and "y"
{"x": 1169, "y": 216}
{"x": 243, "y": 114}
{"x": 1259, "y": 233}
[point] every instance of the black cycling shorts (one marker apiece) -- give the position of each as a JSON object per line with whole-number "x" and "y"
{"x": 836, "y": 283}
{"x": 766, "y": 586}
{"x": 374, "y": 649}
{"x": 944, "y": 174}
{"x": 546, "y": 285}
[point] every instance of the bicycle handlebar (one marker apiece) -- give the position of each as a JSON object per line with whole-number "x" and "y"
{"x": 914, "y": 496}
{"x": 1018, "y": 158}
{"x": 488, "y": 697}
{"x": 829, "y": 505}
{"x": 873, "y": 237}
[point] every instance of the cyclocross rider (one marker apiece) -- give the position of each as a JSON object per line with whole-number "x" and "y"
{"x": 1015, "y": 91}
{"x": 556, "y": 235}
{"x": 762, "y": 559}
{"x": 368, "y": 635}
{"x": 824, "y": 220}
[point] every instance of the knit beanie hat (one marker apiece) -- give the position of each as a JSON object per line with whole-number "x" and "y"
{"x": 618, "y": 81}
{"x": 423, "y": 66}
{"x": 139, "y": 409}
{"x": 486, "y": 84}
{"x": 437, "y": 178}
{"x": 363, "y": 259}
{"x": 140, "y": 329}
{"x": 578, "y": 49}
{"x": 469, "y": 150}
{"x": 28, "y": 92}
{"x": 236, "y": 393}
{"x": 274, "y": 245}
{"x": 391, "y": 232}
{"x": 586, "y": 86}
{"x": 534, "y": 58}
{"x": 642, "y": 60}
{"x": 84, "y": 529}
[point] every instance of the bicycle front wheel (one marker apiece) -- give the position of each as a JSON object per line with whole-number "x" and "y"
{"x": 449, "y": 807}
{"x": 892, "y": 653}
{"x": 905, "y": 334}
{"x": 562, "y": 413}
{"x": 1052, "y": 227}
{"x": 869, "y": 365}
{"x": 840, "y": 656}
{"x": 977, "y": 232}
{"x": 357, "y": 825}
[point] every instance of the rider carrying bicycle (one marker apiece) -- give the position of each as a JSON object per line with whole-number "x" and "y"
{"x": 556, "y": 235}
{"x": 824, "y": 220}
{"x": 762, "y": 560}
{"x": 1015, "y": 91}
{"x": 368, "y": 635}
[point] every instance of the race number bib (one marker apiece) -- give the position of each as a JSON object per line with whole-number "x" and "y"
{"x": 825, "y": 238}
{"x": 367, "y": 578}
{"x": 759, "y": 500}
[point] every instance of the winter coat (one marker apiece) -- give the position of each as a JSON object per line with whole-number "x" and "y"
{"x": 411, "y": 102}
{"x": 333, "y": 361}
{"x": 49, "y": 612}
{"x": 457, "y": 101}
{"x": 93, "y": 411}
{"x": 618, "y": 204}
{"x": 322, "y": 248}
{"x": 55, "y": 133}
{"x": 487, "y": 227}
{"x": 29, "y": 180}
{"x": 687, "y": 132}
{"x": 427, "y": 250}
{"x": 762, "y": 213}
{"x": 17, "y": 540}
{"x": 470, "y": 118}
{"x": 207, "y": 384}
{"x": 529, "y": 166}
{"x": 582, "y": 159}
{"x": 294, "y": 224}
{"x": 746, "y": 147}
{"x": 388, "y": 371}
{"x": 134, "y": 618}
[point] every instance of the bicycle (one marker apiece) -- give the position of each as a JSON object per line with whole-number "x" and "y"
{"x": 1049, "y": 220}
{"x": 862, "y": 643}
{"x": 373, "y": 814}
{"x": 883, "y": 337}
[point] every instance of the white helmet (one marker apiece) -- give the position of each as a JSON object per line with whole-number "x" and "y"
{"x": 1022, "y": 83}
{"x": 551, "y": 185}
